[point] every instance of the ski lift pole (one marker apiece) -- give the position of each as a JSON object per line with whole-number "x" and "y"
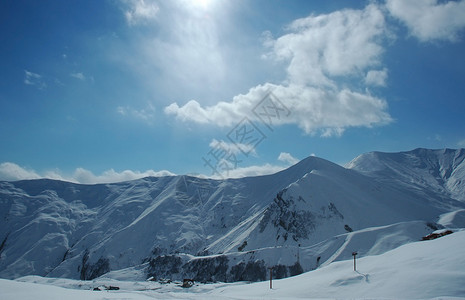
{"x": 354, "y": 254}
{"x": 271, "y": 277}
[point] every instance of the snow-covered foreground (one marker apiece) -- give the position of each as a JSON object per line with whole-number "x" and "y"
{"x": 426, "y": 269}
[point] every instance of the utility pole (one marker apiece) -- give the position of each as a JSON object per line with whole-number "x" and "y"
{"x": 271, "y": 278}
{"x": 354, "y": 254}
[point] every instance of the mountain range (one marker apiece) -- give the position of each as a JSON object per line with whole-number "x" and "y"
{"x": 309, "y": 215}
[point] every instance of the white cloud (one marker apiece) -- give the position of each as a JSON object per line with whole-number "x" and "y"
{"x": 321, "y": 51}
{"x": 287, "y": 158}
{"x": 338, "y": 44}
{"x": 193, "y": 111}
{"x": 140, "y": 11}
{"x": 84, "y": 176}
{"x": 30, "y": 76}
{"x": 146, "y": 114}
{"x": 461, "y": 144}
{"x": 328, "y": 112}
{"x": 257, "y": 170}
{"x": 429, "y": 20}
{"x": 78, "y": 75}
{"x": 34, "y": 79}
{"x": 122, "y": 110}
{"x": 11, "y": 172}
{"x": 376, "y": 77}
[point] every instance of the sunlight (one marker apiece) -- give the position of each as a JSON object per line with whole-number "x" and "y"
{"x": 203, "y": 4}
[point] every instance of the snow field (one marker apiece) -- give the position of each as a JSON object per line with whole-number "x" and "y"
{"x": 419, "y": 270}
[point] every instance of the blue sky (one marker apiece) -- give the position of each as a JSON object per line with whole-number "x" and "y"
{"x": 102, "y": 91}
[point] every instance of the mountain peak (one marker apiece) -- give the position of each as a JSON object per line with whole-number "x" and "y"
{"x": 311, "y": 163}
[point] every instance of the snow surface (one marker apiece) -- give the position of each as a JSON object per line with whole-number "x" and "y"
{"x": 419, "y": 270}
{"x": 454, "y": 219}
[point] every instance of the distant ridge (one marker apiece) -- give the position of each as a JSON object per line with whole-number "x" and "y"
{"x": 441, "y": 170}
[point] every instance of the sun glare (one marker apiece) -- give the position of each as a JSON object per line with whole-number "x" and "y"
{"x": 203, "y": 4}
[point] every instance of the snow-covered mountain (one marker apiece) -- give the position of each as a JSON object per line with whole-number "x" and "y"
{"x": 441, "y": 172}
{"x": 306, "y": 216}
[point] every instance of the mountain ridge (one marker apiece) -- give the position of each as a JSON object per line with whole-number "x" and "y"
{"x": 444, "y": 169}
{"x": 213, "y": 228}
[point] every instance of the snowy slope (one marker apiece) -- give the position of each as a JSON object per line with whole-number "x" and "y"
{"x": 441, "y": 172}
{"x": 308, "y": 215}
{"x": 422, "y": 270}
{"x": 286, "y": 260}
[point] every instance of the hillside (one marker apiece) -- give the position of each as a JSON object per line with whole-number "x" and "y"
{"x": 421, "y": 270}
{"x": 307, "y": 216}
